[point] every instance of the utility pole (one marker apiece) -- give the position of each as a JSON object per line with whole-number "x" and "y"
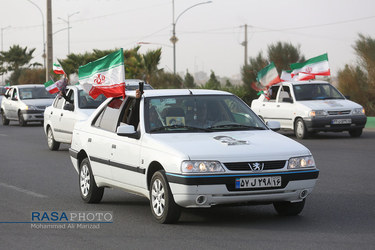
{"x": 244, "y": 43}
{"x": 49, "y": 41}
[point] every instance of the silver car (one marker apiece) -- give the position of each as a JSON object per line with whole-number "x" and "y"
{"x": 25, "y": 103}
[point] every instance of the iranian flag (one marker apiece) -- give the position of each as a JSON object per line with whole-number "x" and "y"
{"x": 286, "y": 75}
{"x": 57, "y": 69}
{"x": 314, "y": 66}
{"x": 268, "y": 75}
{"x": 104, "y": 76}
{"x": 51, "y": 87}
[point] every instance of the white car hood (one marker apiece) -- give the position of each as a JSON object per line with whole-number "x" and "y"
{"x": 38, "y": 102}
{"x": 246, "y": 145}
{"x": 330, "y": 104}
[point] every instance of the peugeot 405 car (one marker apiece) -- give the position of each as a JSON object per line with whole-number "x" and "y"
{"x": 191, "y": 149}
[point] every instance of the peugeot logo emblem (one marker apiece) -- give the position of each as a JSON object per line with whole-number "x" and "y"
{"x": 256, "y": 166}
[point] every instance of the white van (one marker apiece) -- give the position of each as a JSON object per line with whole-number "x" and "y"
{"x": 309, "y": 107}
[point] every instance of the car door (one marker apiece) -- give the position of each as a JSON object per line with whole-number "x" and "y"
{"x": 67, "y": 118}
{"x": 285, "y": 107}
{"x": 13, "y": 104}
{"x": 55, "y": 115}
{"x": 7, "y": 102}
{"x": 100, "y": 138}
{"x": 125, "y": 157}
{"x": 268, "y": 107}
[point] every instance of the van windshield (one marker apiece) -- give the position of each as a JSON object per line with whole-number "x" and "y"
{"x": 305, "y": 92}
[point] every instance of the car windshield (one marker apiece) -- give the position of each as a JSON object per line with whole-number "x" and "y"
{"x": 87, "y": 102}
{"x": 35, "y": 93}
{"x": 136, "y": 86}
{"x": 304, "y": 92}
{"x": 199, "y": 113}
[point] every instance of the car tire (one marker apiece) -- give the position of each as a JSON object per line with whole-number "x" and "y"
{"x": 300, "y": 129}
{"x": 89, "y": 191}
{"x": 163, "y": 207}
{"x": 4, "y": 119}
{"x": 287, "y": 208}
{"x": 21, "y": 120}
{"x": 52, "y": 144}
{"x": 355, "y": 132}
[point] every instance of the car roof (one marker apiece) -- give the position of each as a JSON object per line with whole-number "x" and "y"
{"x": 304, "y": 82}
{"x": 28, "y": 85}
{"x": 174, "y": 92}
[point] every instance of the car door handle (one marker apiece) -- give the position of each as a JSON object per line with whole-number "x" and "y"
{"x": 89, "y": 140}
{"x": 51, "y": 112}
{"x": 264, "y": 105}
{"x": 113, "y": 146}
{"x": 278, "y": 106}
{"x": 62, "y": 114}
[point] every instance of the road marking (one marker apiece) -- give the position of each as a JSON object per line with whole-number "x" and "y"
{"x": 25, "y": 191}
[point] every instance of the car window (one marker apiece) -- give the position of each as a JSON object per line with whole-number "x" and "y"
{"x": 130, "y": 114}
{"x": 35, "y": 93}
{"x": 199, "y": 113}
{"x": 284, "y": 93}
{"x": 59, "y": 103}
{"x": 87, "y": 102}
{"x": 14, "y": 94}
{"x": 70, "y": 96}
{"x": 273, "y": 93}
{"x": 303, "y": 92}
{"x": 107, "y": 119}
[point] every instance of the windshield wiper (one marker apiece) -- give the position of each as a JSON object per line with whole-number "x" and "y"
{"x": 178, "y": 127}
{"x": 235, "y": 126}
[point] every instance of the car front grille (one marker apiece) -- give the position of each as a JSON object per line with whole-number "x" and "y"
{"x": 244, "y": 166}
{"x": 40, "y": 107}
{"x": 339, "y": 112}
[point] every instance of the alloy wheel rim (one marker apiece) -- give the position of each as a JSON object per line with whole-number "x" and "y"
{"x": 84, "y": 180}
{"x": 50, "y": 138}
{"x": 158, "y": 197}
{"x": 299, "y": 129}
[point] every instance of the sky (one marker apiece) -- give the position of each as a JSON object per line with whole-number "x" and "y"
{"x": 209, "y": 35}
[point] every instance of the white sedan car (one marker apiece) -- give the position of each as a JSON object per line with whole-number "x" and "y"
{"x": 190, "y": 148}
{"x": 59, "y": 119}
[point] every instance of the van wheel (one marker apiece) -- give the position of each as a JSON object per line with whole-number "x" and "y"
{"x": 287, "y": 208}
{"x": 163, "y": 207}
{"x": 90, "y": 192}
{"x": 300, "y": 129}
{"x": 52, "y": 144}
{"x": 4, "y": 119}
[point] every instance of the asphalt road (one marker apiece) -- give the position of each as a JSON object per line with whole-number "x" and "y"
{"x": 340, "y": 214}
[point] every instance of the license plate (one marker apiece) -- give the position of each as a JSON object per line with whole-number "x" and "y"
{"x": 341, "y": 121}
{"x": 258, "y": 182}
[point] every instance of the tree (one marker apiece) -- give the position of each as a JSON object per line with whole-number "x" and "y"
{"x": 189, "y": 81}
{"x": 283, "y": 54}
{"x": 16, "y": 60}
{"x": 32, "y": 76}
{"x": 150, "y": 64}
{"x": 212, "y": 83}
{"x": 358, "y": 81}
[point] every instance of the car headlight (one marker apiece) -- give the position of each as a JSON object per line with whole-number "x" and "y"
{"x": 358, "y": 111}
{"x": 201, "y": 167}
{"x": 301, "y": 162}
{"x": 30, "y": 107}
{"x": 314, "y": 113}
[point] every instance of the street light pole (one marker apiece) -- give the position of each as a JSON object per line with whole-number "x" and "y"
{"x": 68, "y": 22}
{"x": 174, "y": 38}
{"x": 44, "y": 40}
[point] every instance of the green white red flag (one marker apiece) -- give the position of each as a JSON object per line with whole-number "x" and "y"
{"x": 268, "y": 76}
{"x": 314, "y": 66}
{"x": 57, "y": 69}
{"x": 51, "y": 87}
{"x": 104, "y": 76}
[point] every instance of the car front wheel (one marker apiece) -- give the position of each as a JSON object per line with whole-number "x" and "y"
{"x": 287, "y": 208}
{"x": 163, "y": 207}
{"x": 355, "y": 132}
{"x": 52, "y": 144}
{"x": 300, "y": 129}
{"x": 21, "y": 120}
{"x": 4, "y": 119}
{"x": 90, "y": 192}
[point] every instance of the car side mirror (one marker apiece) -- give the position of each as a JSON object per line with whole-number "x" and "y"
{"x": 273, "y": 125}
{"x": 127, "y": 130}
{"x": 14, "y": 99}
{"x": 69, "y": 107}
{"x": 287, "y": 99}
